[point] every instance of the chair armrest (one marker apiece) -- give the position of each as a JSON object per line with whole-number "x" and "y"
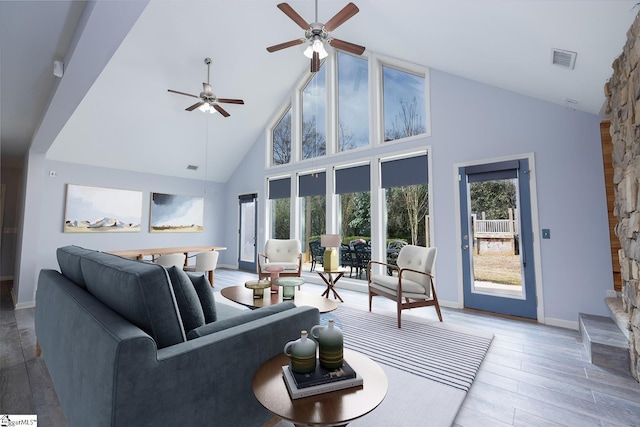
{"x": 384, "y": 264}
{"x": 261, "y": 255}
{"x": 402, "y": 270}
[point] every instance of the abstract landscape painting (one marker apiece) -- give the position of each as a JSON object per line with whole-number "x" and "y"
{"x": 172, "y": 213}
{"x": 98, "y": 210}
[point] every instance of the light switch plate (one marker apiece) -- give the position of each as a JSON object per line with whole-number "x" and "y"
{"x": 546, "y": 233}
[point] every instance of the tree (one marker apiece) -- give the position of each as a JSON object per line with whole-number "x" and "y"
{"x": 345, "y": 137}
{"x": 406, "y": 123}
{"x": 282, "y": 141}
{"x": 360, "y": 222}
{"x": 416, "y": 199}
{"x": 494, "y": 198}
{"x": 281, "y": 218}
{"x": 313, "y": 141}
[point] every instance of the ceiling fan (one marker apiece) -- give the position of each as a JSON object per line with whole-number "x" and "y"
{"x": 208, "y": 101}
{"x": 317, "y": 33}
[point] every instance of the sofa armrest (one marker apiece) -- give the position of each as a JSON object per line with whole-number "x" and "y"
{"x": 208, "y": 378}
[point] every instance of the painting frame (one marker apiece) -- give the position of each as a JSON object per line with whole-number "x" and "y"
{"x": 92, "y": 209}
{"x": 176, "y": 213}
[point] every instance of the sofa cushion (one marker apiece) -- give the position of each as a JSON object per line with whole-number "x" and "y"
{"x": 139, "y": 291}
{"x": 245, "y": 317}
{"x": 186, "y": 298}
{"x": 205, "y": 295}
{"x": 69, "y": 262}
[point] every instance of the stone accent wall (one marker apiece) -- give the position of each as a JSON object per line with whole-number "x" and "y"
{"x": 623, "y": 94}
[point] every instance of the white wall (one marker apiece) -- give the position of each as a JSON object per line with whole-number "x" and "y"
{"x": 472, "y": 122}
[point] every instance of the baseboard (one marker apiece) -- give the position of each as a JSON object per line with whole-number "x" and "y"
{"x": 5, "y": 278}
{"x": 561, "y": 323}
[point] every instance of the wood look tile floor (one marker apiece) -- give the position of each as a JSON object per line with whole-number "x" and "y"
{"x": 533, "y": 375}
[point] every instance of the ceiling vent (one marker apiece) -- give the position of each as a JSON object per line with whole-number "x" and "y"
{"x": 563, "y": 58}
{"x": 192, "y": 167}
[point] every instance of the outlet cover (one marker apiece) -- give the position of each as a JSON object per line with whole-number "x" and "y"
{"x": 546, "y": 233}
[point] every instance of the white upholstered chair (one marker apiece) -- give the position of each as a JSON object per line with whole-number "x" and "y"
{"x": 281, "y": 252}
{"x": 413, "y": 281}
{"x": 169, "y": 260}
{"x": 206, "y": 262}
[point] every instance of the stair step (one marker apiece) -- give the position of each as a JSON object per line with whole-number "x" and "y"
{"x": 605, "y": 343}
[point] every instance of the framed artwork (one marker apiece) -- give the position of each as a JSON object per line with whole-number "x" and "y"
{"x": 102, "y": 210}
{"x": 172, "y": 213}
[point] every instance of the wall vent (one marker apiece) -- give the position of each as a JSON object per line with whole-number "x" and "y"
{"x": 563, "y": 58}
{"x": 192, "y": 167}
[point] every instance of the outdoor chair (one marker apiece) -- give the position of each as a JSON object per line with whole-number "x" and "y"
{"x": 316, "y": 253}
{"x": 347, "y": 258}
{"x": 393, "y": 249}
{"x": 362, "y": 252}
{"x": 286, "y": 253}
{"x": 206, "y": 262}
{"x": 414, "y": 283}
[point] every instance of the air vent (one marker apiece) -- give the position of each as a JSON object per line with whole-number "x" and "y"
{"x": 563, "y": 58}
{"x": 192, "y": 167}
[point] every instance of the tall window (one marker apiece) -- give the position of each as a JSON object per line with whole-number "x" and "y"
{"x": 311, "y": 189}
{"x": 353, "y": 102}
{"x": 314, "y": 96}
{"x": 353, "y": 186}
{"x": 407, "y": 200}
{"x": 281, "y": 141}
{"x": 280, "y": 198}
{"x": 404, "y": 104}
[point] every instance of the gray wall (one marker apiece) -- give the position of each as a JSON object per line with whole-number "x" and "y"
{"x": 472, "y": 122}
{"x": 51, "y": 236}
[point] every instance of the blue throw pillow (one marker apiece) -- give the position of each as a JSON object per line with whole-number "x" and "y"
{"x": 247, "y": 316}
{"x": 186, "y": 298}
{"x": 205, "y": 294}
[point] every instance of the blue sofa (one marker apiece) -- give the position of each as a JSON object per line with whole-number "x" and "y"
{"x": 125, "y": 345}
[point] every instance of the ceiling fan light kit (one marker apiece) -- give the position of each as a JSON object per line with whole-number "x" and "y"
{"x": 317, "y": 34}
{"x": 208, "y": 101}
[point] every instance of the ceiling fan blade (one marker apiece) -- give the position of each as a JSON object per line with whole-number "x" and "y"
{"x": 194, "y": 106}
{"x": 341, "y": 17}
{"x": 182, "y": 93}
{"x": 288, "y": 10}
{"x": 315, "y": 62}
{"x": 285, "y": 45}
{"x": 346, "y": 46}
{"x": 206, "y": 88}
{"x": 230, "y": 101}
{"x": 221, "y": 110}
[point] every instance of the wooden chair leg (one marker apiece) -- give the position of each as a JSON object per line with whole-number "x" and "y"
{"x": 38, "y": 351}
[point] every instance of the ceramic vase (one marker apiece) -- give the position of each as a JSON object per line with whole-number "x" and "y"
{"x": 330, "y": 343}
{"x": 302, "y": 354}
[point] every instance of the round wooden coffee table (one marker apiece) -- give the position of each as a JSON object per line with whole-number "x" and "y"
{"x": 336, "y": 408}
{"x": 244, "y": 296}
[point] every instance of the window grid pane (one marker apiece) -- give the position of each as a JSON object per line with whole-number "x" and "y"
{"x": 404, "y": 104}
{"x": 314, "y": 98}
{"x": 353, "y": 102}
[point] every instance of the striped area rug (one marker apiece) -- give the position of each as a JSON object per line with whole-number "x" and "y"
{"x": 436, "y": 351}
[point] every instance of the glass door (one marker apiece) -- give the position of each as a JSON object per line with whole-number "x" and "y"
{"x": 497, "y": 247}
{"x": 247, "y": 250}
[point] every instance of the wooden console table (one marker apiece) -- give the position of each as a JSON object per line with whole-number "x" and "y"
{"x": 141, "y": 253}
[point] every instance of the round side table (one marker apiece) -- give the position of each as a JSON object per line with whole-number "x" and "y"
{"x": 288, "y": 285}
{"x": 275, "y": 271}
{"x": 258, "y": 287}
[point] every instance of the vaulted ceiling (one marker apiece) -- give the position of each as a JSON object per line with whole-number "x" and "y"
{"x": 112, "y": 108}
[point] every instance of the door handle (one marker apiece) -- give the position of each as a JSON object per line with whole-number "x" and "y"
{"x": 465, "y": 247}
